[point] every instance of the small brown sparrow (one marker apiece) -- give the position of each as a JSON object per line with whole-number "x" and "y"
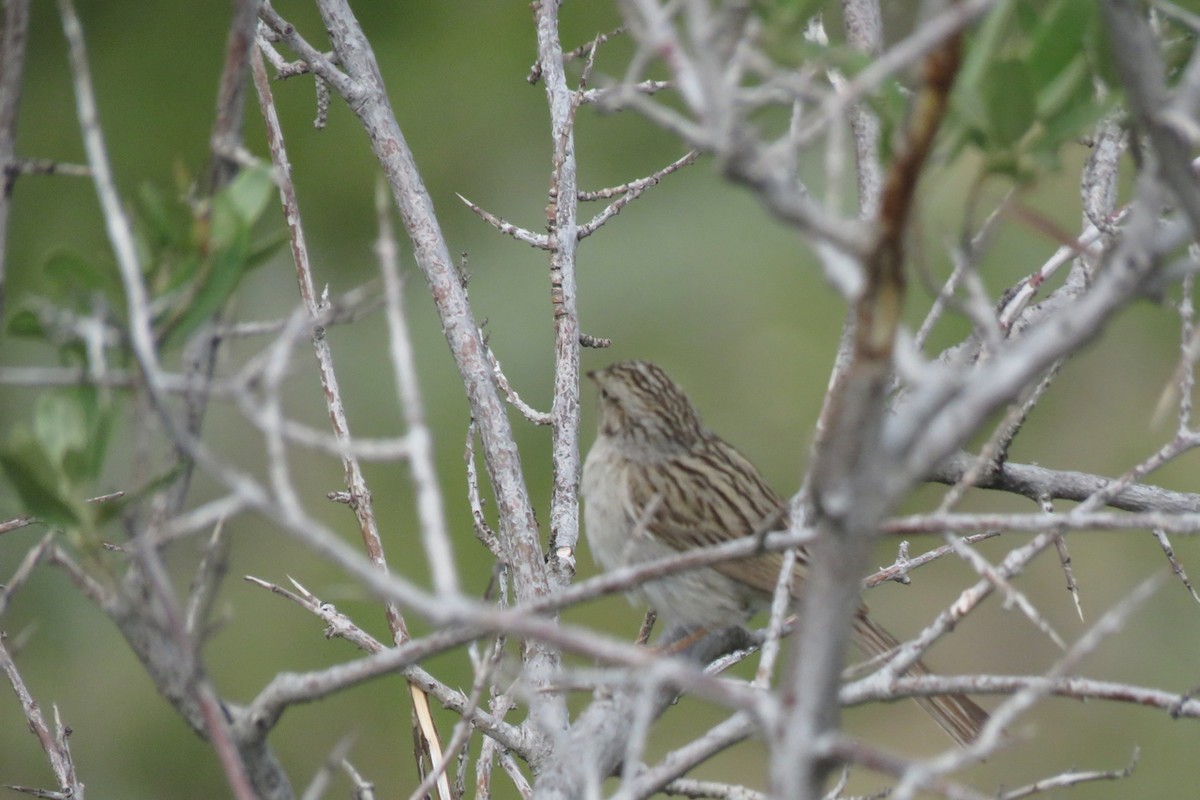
{"x": 657, "y": 482}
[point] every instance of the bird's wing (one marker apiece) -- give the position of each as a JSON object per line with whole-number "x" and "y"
{"x": 709, "y": 497}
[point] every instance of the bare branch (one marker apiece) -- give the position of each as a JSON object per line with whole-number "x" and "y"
{"x": 1157, "y": 112}
{"x": 564, "y": 235}
{"x": 529, "y": 412}
{"x": 992, "y": 735}
{"x": 226, "y": 139}
{"x": 53, "y": 744}
{"x": 629, "y": 192}
{"x": 538, "y": 240}
{"x": 430, "y": 506}
{"x": 1034, "y": 481}
{"x": 12, "y": 69}
{"x": 367, "y": 97}
{"x": 314, "y": 60}
{"x": 1072, "y": 778}
{"x": 341, "y": 626}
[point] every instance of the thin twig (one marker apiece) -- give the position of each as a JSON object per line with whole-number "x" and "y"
{"x": 319, "y": 784}
{"x": 1176, "y": 567}
{"x": 1064, "y": 560}
{"x": 355, "y": 480}
{"x": 483, "y": 531}
{"x": 538, "y": 240}
{"x": 529, "y": 412}
{"x": 1072, "y": 778}
{"x": 430, "y": 506}
{"x": 13, "y": 40}
{"x": 629, "y": 192}
{"x": 52, "y": 744}
{"x": 992, "y": 734}
{"x": 16, "y": 523}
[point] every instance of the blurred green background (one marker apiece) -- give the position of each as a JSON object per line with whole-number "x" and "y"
{"x": 694, "y": 276}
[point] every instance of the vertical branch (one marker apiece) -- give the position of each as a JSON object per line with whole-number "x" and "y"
{"x": 226, "y": 136}
{"x": 164, "y": 647}
{"x": 864, "y": 32}
{"x": 120, "y": 232}
{"x": 160, "y": 612}
{"x": 224, "y": 144}
{"x": 1153, "y": 107}
{"x": 878, "y": 313}
{"x": 59, "y": 756}
{"x": 850, "y": 469}
{"x": 430, "y": 507}
{"x": 430, "y": 510}
{"x": 367, "y": 98}
{"x": 363, "y": 89}
{"x": 561, "y": 218}
{"x": 12, "y": 70}
{"x": 360, "y": 495}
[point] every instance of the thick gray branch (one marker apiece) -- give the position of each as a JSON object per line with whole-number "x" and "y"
{"x": 1036, "y": 483}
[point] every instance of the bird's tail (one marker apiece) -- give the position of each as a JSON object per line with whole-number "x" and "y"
{"x": 959, "y": 715}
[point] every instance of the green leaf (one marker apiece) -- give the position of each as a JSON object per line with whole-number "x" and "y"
{"x": 250, "y": 192}
{"x": 1027, "y": 84}
{"x": 60, "y": 426}
{"x": 970, "y": 98}
{"x": 202, "y": 250}
{"x": 85, "y": 463}
{"x": 985, "y": 47}
{"x": 165, "y": 223}
{"x": 1058, "y": 38}
{"x": 71, "y": 427}
{"x": 183, "y": 268}
{"x": 39, "y": 484}
{"x": 73, "y": 274}
{"x": 1071, "y": 87}
{"x": 26, "y": 323}
{"x": 1008, "y": 94}
{"x": 218, "y": 276}
{"x": 1099, "y": 52}
{"x": 227, "y": 225}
